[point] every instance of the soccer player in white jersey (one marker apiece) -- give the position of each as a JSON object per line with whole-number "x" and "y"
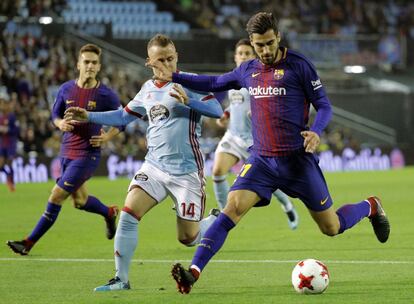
{"x": 238, "y": 138}
{"x": 173, "y": 165}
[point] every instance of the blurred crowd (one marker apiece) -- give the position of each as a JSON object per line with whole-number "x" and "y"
{"x": 33, "y": 66}
{"x": 346, "y": 17}
{"x": 31, "y": 70}
{"x": 31, "y": 8}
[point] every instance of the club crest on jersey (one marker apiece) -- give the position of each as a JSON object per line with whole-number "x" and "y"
{"x": 158, "y": 113}
{"x": 278, "y": 74}
{"x": 91, "y": 105}
{"x": 236, "y": 97}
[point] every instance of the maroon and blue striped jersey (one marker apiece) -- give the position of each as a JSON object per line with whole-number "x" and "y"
{"x": 280, "y": 98}
{"x": 75, "y": 144}
{"x": 9, "y": 138}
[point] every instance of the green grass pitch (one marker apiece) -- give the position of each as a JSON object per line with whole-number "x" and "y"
{"x": 254, "y": 265}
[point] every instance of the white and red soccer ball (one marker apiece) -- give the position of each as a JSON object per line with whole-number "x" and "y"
{"x": 310, "y": 277}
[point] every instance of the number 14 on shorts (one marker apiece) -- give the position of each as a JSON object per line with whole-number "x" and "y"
{"x": 187, "y": 209}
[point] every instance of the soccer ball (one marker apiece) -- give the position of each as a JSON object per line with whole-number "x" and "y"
{"x": 310, "y": 277}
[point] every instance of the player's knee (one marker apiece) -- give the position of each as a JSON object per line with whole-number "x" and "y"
{"x": 189, "y": 242}
{"x": 218, "y": 171}
{"x": 78, "y": 202}
{"x": 330, "y": 230}
{"x": 234, "y": 208}
{"x": 57, "y": 197}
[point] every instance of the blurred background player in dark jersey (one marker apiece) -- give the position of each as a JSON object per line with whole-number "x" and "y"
{"x": 235, "y": 143}
{"x": 9, "y": 131}
{"x": 80, "y": 148}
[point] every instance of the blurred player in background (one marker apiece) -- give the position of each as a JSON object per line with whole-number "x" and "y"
{"x": 238, "y": 138}
{"x": 282, "y": 84}
{"x": 173, "y": 165}
{"x": 80, "y": 150}
{"x": 9, "y": 132}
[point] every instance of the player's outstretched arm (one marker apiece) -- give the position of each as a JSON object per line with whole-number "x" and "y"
{"x": 203, "y": 83}
{"x": 205, "y": 104}
{"x": 114, "y": 118}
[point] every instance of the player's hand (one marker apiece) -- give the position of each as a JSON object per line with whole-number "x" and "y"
{"x": 97, "y": 141}
{"x": 76, "y": 114}
{"x": 65, "y": 125}
{"x": 311, "y": 141}
{"x": 161, "y": 72}
{"x": 178, "y": 93}
{"x": 223, "y": 120}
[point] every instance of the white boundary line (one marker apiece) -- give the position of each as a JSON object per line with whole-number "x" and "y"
{"x": 74, "y": 260}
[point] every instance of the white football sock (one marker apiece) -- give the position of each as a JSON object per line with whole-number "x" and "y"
{"x": 205, "y": 223}
{"x": 221, "y": 189}
{"x": 126, "y": 240}
{"x": 284, "y": 200}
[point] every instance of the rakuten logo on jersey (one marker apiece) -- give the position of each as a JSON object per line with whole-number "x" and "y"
{"x": 266, "y": 92}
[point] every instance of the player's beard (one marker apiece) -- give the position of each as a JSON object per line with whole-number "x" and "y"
{"x": 269, "y": 59}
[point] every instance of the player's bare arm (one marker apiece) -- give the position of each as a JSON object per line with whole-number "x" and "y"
{"x": 311, "y": 142}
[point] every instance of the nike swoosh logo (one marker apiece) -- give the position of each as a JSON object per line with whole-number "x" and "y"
{"x": 324, "y": 201}
{"x": 69, "y": 101}
{"x": 255, "y": 75}
{"x": 68, "y": 184}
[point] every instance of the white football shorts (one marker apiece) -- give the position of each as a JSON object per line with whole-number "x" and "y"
{"x": 187, "y": 190}
{"x": 234, "y": 145}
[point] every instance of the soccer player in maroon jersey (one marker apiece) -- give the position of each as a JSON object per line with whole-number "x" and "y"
{"x": 80, "y": 149}
{"x": 282, "y": 84}
{"x": 9, "y": 132}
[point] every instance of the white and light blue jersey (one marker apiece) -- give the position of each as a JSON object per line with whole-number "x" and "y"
{"x": 240, "y": 123}
{"x": 174, "y": 128}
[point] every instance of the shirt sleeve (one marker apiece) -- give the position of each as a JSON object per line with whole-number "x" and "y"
{"x": 114, "y": 101}
{"x": 311, "y": 82}
{"x": 205, "y": 104}
{"x": 315, "y": 93}
{"x": 136, "y": 106}
{"x": 111, "y": 118}
{"x": 205, "y": 83}
{"x": 58, "y": 109}
{"x": 323, "y": 114}
{"x": 115, "y": 104}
